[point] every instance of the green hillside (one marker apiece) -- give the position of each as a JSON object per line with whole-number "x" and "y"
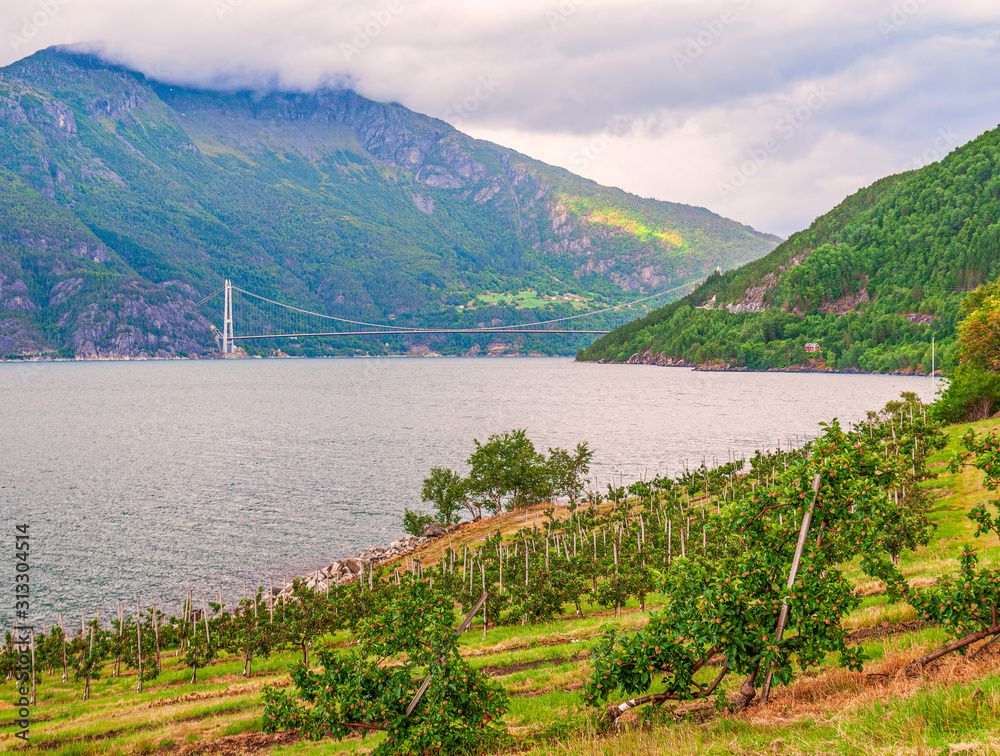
{"x": 872, "y": 282}
{"x": 124, "y": 201}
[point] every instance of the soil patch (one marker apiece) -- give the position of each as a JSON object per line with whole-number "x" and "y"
{"x": 246, "y": 743}
{"x": 509, "y": 669}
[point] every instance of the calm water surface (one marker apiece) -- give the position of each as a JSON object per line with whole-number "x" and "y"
{"x": 157, "y": 477}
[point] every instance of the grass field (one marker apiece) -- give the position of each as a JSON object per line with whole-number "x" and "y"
{"x": 523, "y": 300}
{"x": 953, "y": 708}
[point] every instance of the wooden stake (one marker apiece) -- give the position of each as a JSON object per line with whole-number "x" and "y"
{"x": 138, "y": 640}
{"x": 156, "y": 636}
{"x": 32, "y": 666}
{"x": 65, "y": 676}
{"x": 799, "y": 548}
{"x": 204, "y": 604}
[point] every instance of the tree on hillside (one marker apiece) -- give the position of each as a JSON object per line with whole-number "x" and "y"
{"x": 428, "y": 700}
{"x": 974, "y": 391}
{"x": 567, "y": 471}
{"x": 447, "y": 491}
{"x": 979, "y": 332}
{"x": 508, "y": 470}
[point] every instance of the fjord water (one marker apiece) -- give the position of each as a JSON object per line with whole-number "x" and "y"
{"x": 152, "y": 478}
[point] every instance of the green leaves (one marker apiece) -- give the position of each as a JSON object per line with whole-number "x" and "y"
{"x": 370, "y": 688}
{"x": 507, "y": 470}
{"x": 446, "y": 490}
{"x": 724, "y": 599}
{"x": 415, "y": 522}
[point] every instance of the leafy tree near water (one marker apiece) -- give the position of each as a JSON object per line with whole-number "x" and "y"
{"x": 447, "y": 491}
{"x": 415, "y": 521}
{"x": 507, "y": 470}
{"x": 567, "y": 470}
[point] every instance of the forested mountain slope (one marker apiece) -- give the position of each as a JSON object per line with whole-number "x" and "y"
{"x": 124, "y": 201}
{"x": 872, "y": 281}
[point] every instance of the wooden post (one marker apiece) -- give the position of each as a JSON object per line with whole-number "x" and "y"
{"x": 799, "y": 548}
{"x": 65, "y": 675}
{"x": 204, "y": 604}
{"x": 138, "y": 640}
{"x": 32, "y": 666}
{"x": 116, "y": 669}
{"x": 482, "y": 568}
{"x": 184, "y": 619}
{"x": 156, "y": 635}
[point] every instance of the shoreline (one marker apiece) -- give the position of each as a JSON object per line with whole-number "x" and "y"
{"x": 350, "y": 569}
{"x": 645, "y": 358}
{"x": 36, "y": 359}
{"x": 816, "y": 366}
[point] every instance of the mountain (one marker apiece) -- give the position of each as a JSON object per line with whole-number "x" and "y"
{"x": 872, "y": 282}
{"x": 125, "y": 201}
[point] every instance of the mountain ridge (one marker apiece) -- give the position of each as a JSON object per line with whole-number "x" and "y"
{"x": 120, "y": 194}
{"x": 873, "y": 285}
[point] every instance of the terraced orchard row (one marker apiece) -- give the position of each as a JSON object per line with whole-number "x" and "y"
{"x": 744, "y": 565}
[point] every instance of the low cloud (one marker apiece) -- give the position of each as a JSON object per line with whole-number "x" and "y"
{"x": 665, "y": 99}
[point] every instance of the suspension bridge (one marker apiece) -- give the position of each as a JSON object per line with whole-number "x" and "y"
{"x": 260, "y": 318}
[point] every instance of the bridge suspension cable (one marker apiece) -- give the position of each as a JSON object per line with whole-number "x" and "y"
{"x": 320, "y": 315}
{"x": 599, "y": 312}
{"x": 267, "y": 316}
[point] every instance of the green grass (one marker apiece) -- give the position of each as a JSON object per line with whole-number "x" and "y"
{"x": 827, "y": 710}
{"x": 522, "y": 300}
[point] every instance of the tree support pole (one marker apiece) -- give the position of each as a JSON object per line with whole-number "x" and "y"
{"x": 783, "y": 616}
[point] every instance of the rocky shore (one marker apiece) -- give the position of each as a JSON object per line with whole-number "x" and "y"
{"x": 348, "y": 570}
{"x": 649, "y": 357}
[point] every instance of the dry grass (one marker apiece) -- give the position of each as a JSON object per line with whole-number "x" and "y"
{"x": 881, "y": 614}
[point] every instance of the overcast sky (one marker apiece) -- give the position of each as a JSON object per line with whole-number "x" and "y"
{"x": 763, "y": 111}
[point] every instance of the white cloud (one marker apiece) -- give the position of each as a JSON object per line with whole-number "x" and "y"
{"x": 693, "y": 88}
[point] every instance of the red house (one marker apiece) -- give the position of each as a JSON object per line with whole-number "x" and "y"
{"x": 812, "y": 346}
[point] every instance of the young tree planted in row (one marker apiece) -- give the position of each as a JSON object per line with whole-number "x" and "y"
{"x": 432, "y": 701}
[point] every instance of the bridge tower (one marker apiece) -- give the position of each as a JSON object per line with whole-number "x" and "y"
{"x": 227, "y": 320}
